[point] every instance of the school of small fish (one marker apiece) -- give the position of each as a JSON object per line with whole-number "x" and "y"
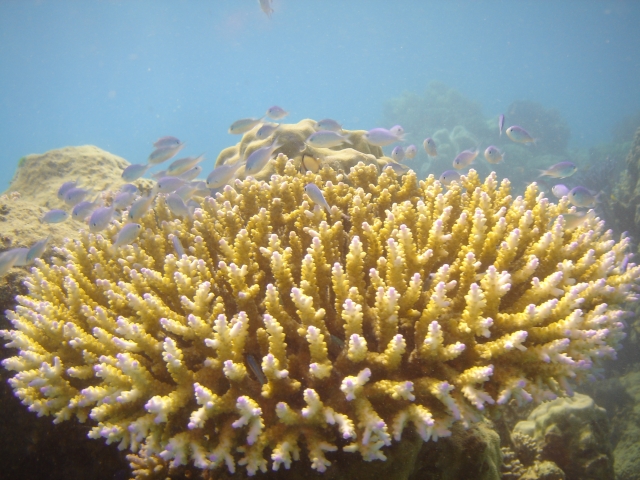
{"x": 179, "y": 183}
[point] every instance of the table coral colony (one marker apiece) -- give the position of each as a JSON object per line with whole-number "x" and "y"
{"x": 285, "y": 330}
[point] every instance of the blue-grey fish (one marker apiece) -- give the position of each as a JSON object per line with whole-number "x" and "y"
{"x": 126, "y": 235}
{"x": 397, "y": 130}
{"x": 560, "y": 170}
{"x": 410, "y": 152}
{"x": 134, "y": 171}
{"x": 501, "y": 123}
{"x": 167, "y": 141}
{"x": 266, "y": 130}
{"x": 327, "y": 139}
{"x": 397, "y": 153}
{"x": 449, "y": 176}
{"x": 186, "y": 191}
{"x": 191, "y": 174}
{"x": 255, "y": 368}
{"x": 122, "y": 200}
{"x": 583, "y": 197}
{"x": 100, "y": 218}
{"x": 8, "y": 260}
{"x": 21, "y": 256}
{"x": 399, "y": 168}
{"x": 158, "y": 175}
{"x": 265, "y": 6}
{"x": 315, "y": 194}
{"x": 74, "y": 196}
{"x": 82, "y": 210}
{"x": 177, "y": 205}
{"x": 54, "y": 216}
{"x": 141, "y": 206}
{"x": 493, "y": 155}
{"x": 178, "y": 167}
{"x": 243, "y": 125}
{"x": 328, "y": 124}
{"x": 260, "y": 157}
{"x": 170, "y": 184}
{"x": 519, "y": 134}
{"x": 430, "y": 147}
{"x": 223, "y": 174}
{"x": 65, "y": 187}
{"x": 560, "y": 190}
{"x": 464, "y": 159}
{"x": 177, "y": 245}
{"x": 129, "y": 187}
{"x": 276, "y": 112}
{"x": 37, "y": 250}
{"x": 162, "y": 154}
{"x": 381, "y": 137}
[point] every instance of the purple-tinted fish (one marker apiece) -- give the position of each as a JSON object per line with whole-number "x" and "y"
{"x": 177, "y": 205}
{"x": 266, "y": 130}
{"x": 501, "y": 123}
{"x": 223, "y": 174}
{"x": 449, "y": 176}
{"x": 191, "y": 174}
{"x": 560, "y": 170}
{"x": 410, "y": 152}
{"x": 430, "y": 147}
{"x": 381, "y": 137}
{"x": 276, "y": 112}
{"x": 170, "y": 184}
{"x": 134, "y": 171}
{"x": 398, "y": 168}
{"x": 65, "y": 187}
{"x": 243, "y": 125}
{"x": 100, "y": 218}
{"x": 84, "y": 209}
{"x": 327, "y": 139}
{"x": 464, "y": 159}
{"x": 182, "y": 165}
{"x": 129, "y": 187}
{"x": 583, "y": 197}
{"x": 123, "y": 199}
{"x": 162, "y": 154}
{"x": 167, "y": 141}
{"x": 141, "y": 206}
{"x": 54, "y": 216}
{"x": 560, "y": 190}
{"x": 493, "y": 155}
{"x": 519, "y": 134}
{"x": 74, "y": 196}
{"x": 260, "y": 157}
{"x": 398, "y": 153}
{"x": 125, "y": 236}
{"x": 397, "y": 130}
{"x": 328, "y": 124}
{"x": 315, "y": 194}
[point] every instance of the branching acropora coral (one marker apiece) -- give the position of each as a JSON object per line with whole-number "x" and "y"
{"x": 287, "y": 331}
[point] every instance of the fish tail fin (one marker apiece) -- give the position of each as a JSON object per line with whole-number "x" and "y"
{"x": 347, "y": 139}
{"x": 543, "y": 173}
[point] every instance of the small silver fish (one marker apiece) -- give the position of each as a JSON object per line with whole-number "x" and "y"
{"x": 177, "y": 245}
{"x": 464, "y": 159}
{"x": 243, "y": 125}
{"x": 127, "y": 235}
{"x": 315, "y": 194}
{"x": 177, "y": 205}
{"x": 122, "y": 200}
{"x": 82, "y": 210}
{"x": 265, "y": 6}
{"x": 255, "y": 368}
{"x": 573, "y": 220}
{"x": 327, "y": 139}
{"x": 560, "y": 190}
{"x": 381, "y": 137}
{"x": 100, "y": 218}
{"x": 399, "y": 168}
{"x": 129, "y": 187}
{"x": 8, "y": 260}
{"x": 158, "y": 175}
{"x": 328, "y": 124}
{"x": 260, "y": 157}
{"x": 519, "y": 134}
{"x": 501, "y": 123}
{"x": 560, "y": 170}
{"x": 167, "y": 141}
{"x": 583, "y": 197}
{"x": 223, "y": 174}
{"x": 37, "y": 250}
{"x": 397, "y": 130}
{"x": 141, "y": 206}
{"x": 493, "y": 155}
{"x": 65, "y": 187}
{"x": 398, "y": 154}
{"x": 74, "y": 196}
{"x": 134, "y": 171}
{"x": 449, "y": 176}
{"x": 201, "y": 189}
{"x": 162, "y": 154}
{"x": 410, "y": 152}
{"x": 54, "y": 216}
{"x": 430, "y": 147}
{"x": 266, "y": 130}
{"x": 182, "y": 165}
{"x": 276, "y": 112}
{"x": 186, "y": 191}
{"x": 170, "y": 184}
{"x": 191, "y": 174}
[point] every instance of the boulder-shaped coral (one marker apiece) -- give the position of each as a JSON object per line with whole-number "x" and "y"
{"x": 266, "y": 328}
{"x": 573, "y": 433}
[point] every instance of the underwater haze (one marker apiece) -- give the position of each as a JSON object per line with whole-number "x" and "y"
{"x": 120, "y": 74}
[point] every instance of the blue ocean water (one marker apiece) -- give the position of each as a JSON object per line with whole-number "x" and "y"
{"x": 120, "y": 74}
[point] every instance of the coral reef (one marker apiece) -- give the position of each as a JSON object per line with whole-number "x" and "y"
{"x": 624, "y": 204}
{"x": 627, "y": 423}
{"x": 285, "y": 332}
{"x": 574, "y": 434}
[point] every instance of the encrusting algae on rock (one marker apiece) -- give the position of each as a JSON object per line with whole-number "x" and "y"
{"x": 286, "y": 331}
